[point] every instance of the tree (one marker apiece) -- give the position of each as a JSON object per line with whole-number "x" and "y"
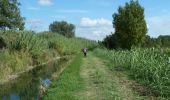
{"x": 63, "y": 28}
{"x": 165, "y": 40}
{"x": 10, "y": 17}
{"x": 110, "y": 42}
{"x": 130, "y": 25}
{"x": 151, "y": 42}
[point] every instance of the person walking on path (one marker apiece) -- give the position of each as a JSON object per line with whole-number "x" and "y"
{"x": 85, "y": 52}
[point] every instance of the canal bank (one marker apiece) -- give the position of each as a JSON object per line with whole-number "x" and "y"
{"x": 26, "y": 85}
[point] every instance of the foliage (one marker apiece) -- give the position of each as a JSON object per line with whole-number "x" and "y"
{"x": 164, "y": 40}
{"x": 24, "y": 49}
{"x": 69, "y": 82}
{"x": 29, "y": 42}
{"x": 12, "y": 63}
{"x": 10, "y": 17}
{"x": 111, "y": 42}
{"x": 161, "y": 41}
{"x": 67, "y": 45}
{"x": 149, "y": 66}
{"x": 63, "y": 28}
{"x": 130, "y": 26}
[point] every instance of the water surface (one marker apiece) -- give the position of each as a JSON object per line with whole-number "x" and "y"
{"x": 26, "y": 87}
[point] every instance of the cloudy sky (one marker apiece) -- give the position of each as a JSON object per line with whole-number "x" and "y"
{"x": 93, "y": 18}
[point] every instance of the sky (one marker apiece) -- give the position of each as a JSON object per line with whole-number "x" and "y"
{"x": 92, "y": 18}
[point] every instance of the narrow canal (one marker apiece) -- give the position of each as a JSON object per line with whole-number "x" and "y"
{"x": 26, "y": 87}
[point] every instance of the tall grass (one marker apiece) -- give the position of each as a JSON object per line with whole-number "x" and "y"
{"x": 67, "y": 45}
{"x": 150, "y": 66}
{"x": 12, "y": 63}
{"x": 26, "y": 48}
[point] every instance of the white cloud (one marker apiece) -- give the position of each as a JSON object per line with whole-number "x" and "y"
{"x": 45, "y": 2}
{"x": 159, "y": 25}
{"x": 97, "y": 33}
{"x": 87, "y": 22}
{"x": 94, "y": 29}
{"x": 71, "y": 11}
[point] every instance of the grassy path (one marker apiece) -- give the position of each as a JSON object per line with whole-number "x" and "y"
{"x": 102, "y": 83}
{"x": 91, "y": 79}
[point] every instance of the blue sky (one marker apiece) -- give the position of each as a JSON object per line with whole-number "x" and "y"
{"x": 93, "y": 18}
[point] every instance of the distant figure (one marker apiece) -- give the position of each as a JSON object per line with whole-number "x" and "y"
{"x": 85, "y": 51}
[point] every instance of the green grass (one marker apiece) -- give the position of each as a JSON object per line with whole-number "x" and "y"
{"x": 68, "y": 83}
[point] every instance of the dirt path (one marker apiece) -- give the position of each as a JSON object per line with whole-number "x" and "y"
{"x": 102, "y": 83}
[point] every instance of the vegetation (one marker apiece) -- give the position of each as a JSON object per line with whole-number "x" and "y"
{"x": 67, "y": 46}
{"x": 148, "y": 66}
{"x": 24, "y": 49}
{"x": 130, "y": 30}
{"x": 10, "y": 17}
{"x": 68, "y": 83}
{"x": 110, "y": 42}
{"x": 161, "y": 41}
{"x": 63, "y": 28}
{"x": 130, "y": 27}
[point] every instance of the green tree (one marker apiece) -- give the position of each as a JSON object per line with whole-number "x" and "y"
{"x": 10, "y": 17}
{"x": 151, "y": 42}
{"x": 165, "y": 40}
{"x": 63, "y": 28}
{"x": 111, "y": 42}
{"x": 130, "y": 25}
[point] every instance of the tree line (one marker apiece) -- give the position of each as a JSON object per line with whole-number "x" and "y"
{"x": 111, "y": 42}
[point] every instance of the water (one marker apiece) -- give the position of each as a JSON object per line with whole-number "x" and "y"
{"x": 26, "y": 87}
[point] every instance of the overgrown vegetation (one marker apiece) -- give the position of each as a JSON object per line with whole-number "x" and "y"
{"x": 148, "y": 66}
{"x": 24, "y": 49}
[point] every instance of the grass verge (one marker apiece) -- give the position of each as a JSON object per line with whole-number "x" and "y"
{"x": 68, "y": 83}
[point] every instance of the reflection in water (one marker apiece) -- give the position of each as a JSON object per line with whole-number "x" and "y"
{"x": 26, "y": 87}
{"x": 46, "y": 83}
{"x": 11, "y": 97}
